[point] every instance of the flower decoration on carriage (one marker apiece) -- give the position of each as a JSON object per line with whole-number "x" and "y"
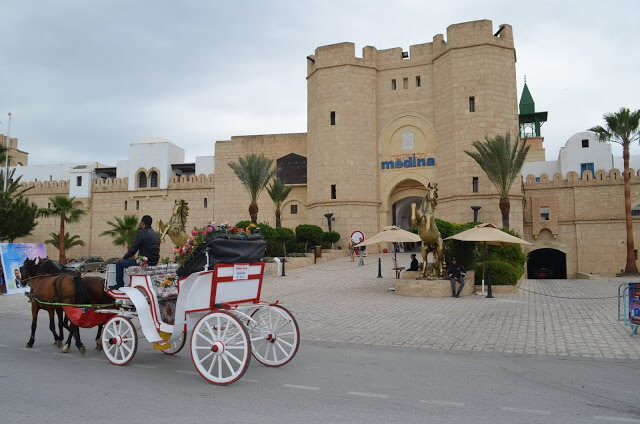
{"x": 202, "y": 235}
{"x": 142, "y": 261}
{"x": 168, "y": 282}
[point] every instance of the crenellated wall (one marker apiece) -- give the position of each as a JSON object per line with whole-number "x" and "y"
{"x": 586, "y": 218}
{"x": 111, "y": 198}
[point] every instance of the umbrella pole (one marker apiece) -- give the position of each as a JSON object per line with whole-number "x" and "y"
{"x": 484, "y": 263}
{"x": 489, "y": 295}
{"x": 395, "y": 259}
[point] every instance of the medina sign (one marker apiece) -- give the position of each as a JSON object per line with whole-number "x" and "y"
{"x": 407, "y": 162}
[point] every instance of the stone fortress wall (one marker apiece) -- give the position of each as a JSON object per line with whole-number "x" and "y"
{"x": 108, "y": 201}
{"x": 586, "y": 218}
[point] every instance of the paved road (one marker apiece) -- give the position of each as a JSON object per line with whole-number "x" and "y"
{"x": 325, "y": 383}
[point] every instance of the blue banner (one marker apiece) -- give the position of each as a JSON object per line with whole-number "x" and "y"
{"x": 13, "y": 256}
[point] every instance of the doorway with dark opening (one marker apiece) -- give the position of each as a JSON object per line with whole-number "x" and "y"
{"x": 546, "y": 264}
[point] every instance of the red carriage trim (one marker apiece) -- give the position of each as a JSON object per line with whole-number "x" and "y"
{"x": 85, "y": 317}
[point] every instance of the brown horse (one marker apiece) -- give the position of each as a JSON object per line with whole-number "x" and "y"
{"x": 96, "y": 296}
{"x": 31, "y": 273}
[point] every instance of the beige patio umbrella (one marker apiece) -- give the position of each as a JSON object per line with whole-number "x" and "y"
{"x": 392, "y": 234}
{"x": 487, "y": 234}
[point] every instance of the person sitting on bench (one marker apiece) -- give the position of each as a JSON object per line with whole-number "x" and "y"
{"x": 414, "y": 263}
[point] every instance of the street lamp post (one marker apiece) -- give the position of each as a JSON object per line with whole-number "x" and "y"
{"x": 6, "y": 155}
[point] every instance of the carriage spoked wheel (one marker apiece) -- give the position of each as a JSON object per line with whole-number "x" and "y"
{"x": 119, "y": 340}
{"x": 274, "y": 335}
{"x": 176, "y": 345}
{"x": 220, "y": 348}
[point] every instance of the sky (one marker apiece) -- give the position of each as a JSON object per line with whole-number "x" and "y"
{"x": 84, "y": 79}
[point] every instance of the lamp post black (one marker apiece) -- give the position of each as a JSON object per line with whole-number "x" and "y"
{"x": 475, "y": 212}
{"x": 328, "y": 216}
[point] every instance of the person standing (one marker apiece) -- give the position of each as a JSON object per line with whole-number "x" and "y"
{"x": 456, "y": 273}
{"x": 352, "y": 250}
{"x": 361, "y": 250}
{"x": 147, "y": 243}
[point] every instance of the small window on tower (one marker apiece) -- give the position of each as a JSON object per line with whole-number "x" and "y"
{"x": 125, "y": 205}
{"x": 405, "y": 83}
{"x": 544, "y": 213}
{"x": 333, "y": 191}
{"x": 418, "y": 83}
{"x": 333, "y": 117}
{"x": 474, "y": 184}
{"x": 472, "y": 104}
{"x": 393, "y": 84}
{"x": 205, "y": 203}
{"x": 137, "y": 205}
{"x": 294, "y": 209}
{"x": 585, "y": 143}
{"x": 78, "y": 181}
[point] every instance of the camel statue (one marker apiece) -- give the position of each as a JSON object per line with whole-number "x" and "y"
{"x": 176, "y": 226}
{"x": 425, "y": 220}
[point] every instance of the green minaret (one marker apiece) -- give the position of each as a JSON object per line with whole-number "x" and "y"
{"x": 530, "y": 120}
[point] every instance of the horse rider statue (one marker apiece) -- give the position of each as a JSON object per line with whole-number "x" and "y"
{"x": 176, "y": 227}
{"x": 424, "y": 219}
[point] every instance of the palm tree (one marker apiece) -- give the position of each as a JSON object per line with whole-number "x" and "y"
{"x": 622, "y": 128}
{"x": 13, "y": 186}
{"x": 278, "y": 193}
{"x": 69, "y": 240}
{"x": 254, "y": 172}
{"x": 123, "y": 230}
{"x": 68, "y": 209}
{"x": 501, "y": 161}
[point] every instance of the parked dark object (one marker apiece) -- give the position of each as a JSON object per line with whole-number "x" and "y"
{"x": 231, "y": 249}
{"x": 543, "y": 273}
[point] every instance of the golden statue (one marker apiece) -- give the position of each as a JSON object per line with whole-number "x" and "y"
{"x": 176, "y": 226}
{"x": 425, "y": 220}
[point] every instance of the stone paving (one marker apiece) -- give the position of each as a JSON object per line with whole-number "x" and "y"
{"x": 339, "y": 302}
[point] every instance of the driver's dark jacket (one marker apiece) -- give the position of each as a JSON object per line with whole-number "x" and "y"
{"x": 147, "y": 243}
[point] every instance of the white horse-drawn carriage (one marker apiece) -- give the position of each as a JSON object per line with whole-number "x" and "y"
{"x": 221, "y": 307}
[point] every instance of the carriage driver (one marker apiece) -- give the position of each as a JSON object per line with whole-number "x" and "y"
{"x": 147, "y": 243}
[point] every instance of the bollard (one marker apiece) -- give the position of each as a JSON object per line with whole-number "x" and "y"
{"x": 283, "y": 261}
{"x": 379, "y": 267}
{"x": 279, "y": 263}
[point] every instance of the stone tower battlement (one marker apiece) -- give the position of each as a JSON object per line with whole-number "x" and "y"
{"x": 459, "y": 36}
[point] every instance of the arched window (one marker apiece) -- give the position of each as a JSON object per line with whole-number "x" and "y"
{"x": 142, "y": 180}
{"x": 153, "y": 179}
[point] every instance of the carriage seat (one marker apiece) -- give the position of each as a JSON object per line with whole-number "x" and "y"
{"x": 163, "y": 278}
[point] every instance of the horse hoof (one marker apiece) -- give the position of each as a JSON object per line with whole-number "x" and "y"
{"x": 29, "y": 345}
{"x": 99, "y": 347}
{"x": 58, "y": 343}
{"x": 82, "y": 349}
{"x": 65, "y": 349}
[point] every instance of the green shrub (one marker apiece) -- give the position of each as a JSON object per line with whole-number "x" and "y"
{"x": 498, "y": 272}
{"x": 266, "y": 231}
{"x": 311, "y": 235}
{"x": 281, "y": 241}
{"x": 243, "y": 224}
{"x": 330, "y": 237}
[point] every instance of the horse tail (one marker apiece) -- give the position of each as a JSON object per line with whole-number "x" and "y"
{"x": 82, "y": 291}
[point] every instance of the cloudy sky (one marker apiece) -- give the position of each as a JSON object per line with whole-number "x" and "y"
{"x": 84, "y": 79}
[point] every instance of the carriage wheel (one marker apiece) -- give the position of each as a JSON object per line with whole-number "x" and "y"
{"x": 176, "y": 345}
{"x": 119, "y": 340}
{"x": 274, "y": 334}
{"x": 220, "y": 348}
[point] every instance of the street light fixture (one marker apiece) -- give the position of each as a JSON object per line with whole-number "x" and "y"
{"x": 6, "y": 155}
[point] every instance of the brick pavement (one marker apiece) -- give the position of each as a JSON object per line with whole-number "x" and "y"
{"x": 337, "y": 301}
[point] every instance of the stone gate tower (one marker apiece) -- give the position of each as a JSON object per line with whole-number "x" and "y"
{"x": 341, "y": 138}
